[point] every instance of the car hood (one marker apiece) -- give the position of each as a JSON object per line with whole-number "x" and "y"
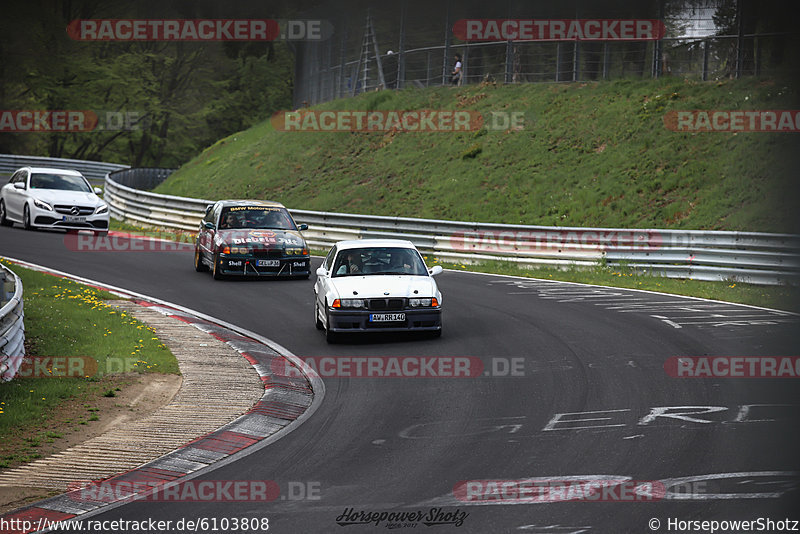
{"x": 54, "y": 196}
{"x": 375, "y": 286}
{"x": 266, "y": 238}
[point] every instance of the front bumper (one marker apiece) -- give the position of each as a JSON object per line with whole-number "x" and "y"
{"x": 50, "y": 219}
{"x": 417, "y": 320}
{"x": 232, "y": 265}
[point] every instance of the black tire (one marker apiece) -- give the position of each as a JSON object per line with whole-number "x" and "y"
{"x": 317, "y": 321}
{"x": 199, "y": 266}
{"x": 101, "y": 233}
{"x": 26, "y": 218}
{"x": 330, "y": 337}
{"x": 3, "y": 219}
{"x": 217, "y": 274}
{"x": 436, "y": 333}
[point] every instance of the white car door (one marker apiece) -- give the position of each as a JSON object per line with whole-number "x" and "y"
{"x": 15, "y": 198}
{"x": 322, "y": 284}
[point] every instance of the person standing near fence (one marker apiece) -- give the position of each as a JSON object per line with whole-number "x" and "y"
{"x": 456, "y": 78}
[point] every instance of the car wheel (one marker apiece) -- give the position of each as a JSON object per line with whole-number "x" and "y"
{"x": 317, "y": 321}
{"x": 330, "y": 337}
{"x": 216, "y": 271}
{"x": 199, "y": 266}
{"x": 26, "y": 218}
{"x": 3, "y": 219}
{"x": 437, "y": 333}
{"x": 101, "y": 233}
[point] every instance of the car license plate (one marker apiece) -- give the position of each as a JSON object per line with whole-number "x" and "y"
{"x": 386, "y": 317}
{"x": 268, "y": 263}
{"x": 69, "y": 218}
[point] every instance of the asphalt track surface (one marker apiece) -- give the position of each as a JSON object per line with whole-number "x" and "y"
{"x": 402, "y": 444}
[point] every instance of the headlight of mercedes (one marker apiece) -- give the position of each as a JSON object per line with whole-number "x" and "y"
{"x": 101, "y": 209}
{"x": 42, "y": 205}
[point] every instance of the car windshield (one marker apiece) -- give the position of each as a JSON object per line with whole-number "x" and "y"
{"x": 238, "y": 217}
{"x": 62, "y": 182}
{"x": 378, "y": 261}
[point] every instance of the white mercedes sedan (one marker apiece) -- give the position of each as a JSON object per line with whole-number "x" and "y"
{"x": 376, "y": 285}
{"x": 39, "y": 197}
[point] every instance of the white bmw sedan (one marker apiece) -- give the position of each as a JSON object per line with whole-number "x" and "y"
{"x": 376, "y": 285}
{"x": 38, "y": 197}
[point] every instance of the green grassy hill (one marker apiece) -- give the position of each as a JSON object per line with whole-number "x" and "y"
{"x": 591, "y": 154}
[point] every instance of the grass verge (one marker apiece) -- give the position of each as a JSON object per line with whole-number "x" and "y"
{"x": 66, "y": 319}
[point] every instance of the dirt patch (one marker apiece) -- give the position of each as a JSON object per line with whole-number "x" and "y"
{"x": 70, "y": 423}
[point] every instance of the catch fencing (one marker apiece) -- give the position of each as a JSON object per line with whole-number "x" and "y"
{"x": 759, "y": 258}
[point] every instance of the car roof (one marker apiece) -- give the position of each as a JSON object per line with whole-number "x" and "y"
{"x": 266, "y": 203}
{"x": 52, "y": 170}
{"x": 365, "y": 243}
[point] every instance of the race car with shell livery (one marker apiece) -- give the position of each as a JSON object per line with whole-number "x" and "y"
{"x": 251, "y": 238}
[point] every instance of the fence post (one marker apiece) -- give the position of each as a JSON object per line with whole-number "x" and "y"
{"x": 401, "y": 59}
{"x": 706, "y": 45}
{"x": 558, "y": 61}
{"x": 605, "y": 60}
{"x": 447, "y": 46}
{"x": 756, "y": 56}
{"x": 509, "y": 61}
{"x": 342, "y": 57}
{"x": 739, "y": 39}
{"x": 575, "y": 59}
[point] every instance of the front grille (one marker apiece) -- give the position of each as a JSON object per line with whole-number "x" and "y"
{"x": 386, "y": 304}
{"x": 271, "y": 253}
{"x": 67, "y": 210}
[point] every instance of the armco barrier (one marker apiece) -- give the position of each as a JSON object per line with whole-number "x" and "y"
{"x": 12, "y": 328}
{"x": 759, "y": 258}
{"x": 94, "y": 171}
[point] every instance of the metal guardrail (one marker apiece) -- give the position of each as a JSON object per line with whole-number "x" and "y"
{"x": 12, "y": 328}
{"x": 94, "y": 171}
{"x": 759, "y": 258}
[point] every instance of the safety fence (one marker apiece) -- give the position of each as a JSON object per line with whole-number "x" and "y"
{"x": 759, "y": 258}
{"x": 12, "y": 328}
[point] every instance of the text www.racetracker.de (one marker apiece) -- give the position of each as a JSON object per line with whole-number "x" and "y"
{"x": 202, "y": 524}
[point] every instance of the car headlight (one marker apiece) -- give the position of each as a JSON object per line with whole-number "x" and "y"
{"x": 296, "y": 252}
{"x": 42, "y": 205}
{"x": 101, "y": 209}
{"x": 348, "y": 303}
{"x": 234, "y": 250}
{"x": 423, "y": 303}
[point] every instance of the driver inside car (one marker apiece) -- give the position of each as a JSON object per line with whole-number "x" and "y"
{"x": 351, "y": 264}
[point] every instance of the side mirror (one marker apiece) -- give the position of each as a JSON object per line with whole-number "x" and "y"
{"x": 302, "y": 227}
{"x": 97, "y": 191}
{"x": 208, "y": 208}
{"x": 208, "y": 225}
{"x": 322, "y": 271}
{"x": 19, "y": 185}
{"x": 437, "y": 269}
